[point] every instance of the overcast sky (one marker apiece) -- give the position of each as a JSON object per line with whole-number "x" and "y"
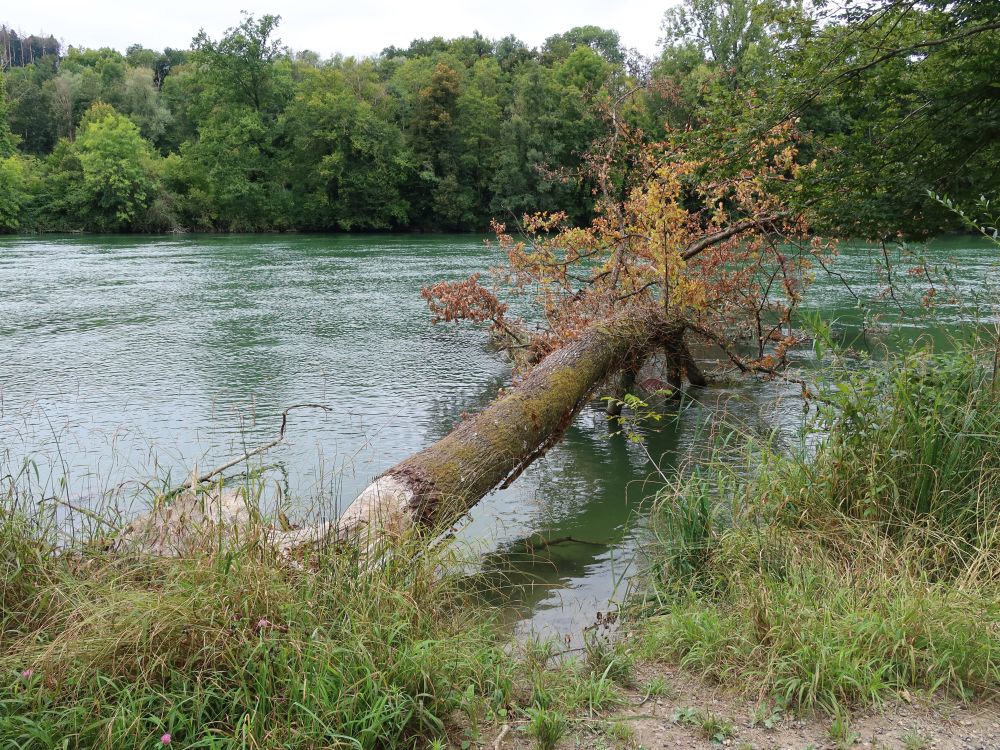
{"x": 359, "y": 27}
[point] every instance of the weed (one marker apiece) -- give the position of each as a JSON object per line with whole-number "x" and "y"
{"x": 715, "y": 728}
{"x": 766, "y": 714}
{"x": 686, "y": 716}
{"x": 538, "y": 654}
{"x": 656, "y": 687}
{"x": 621, "y": 732}
{"x": 595, "y": 692}
{"x": 546, "y": 727}
{"x": 841, "y": 733}
{"x": 608, "y": 659}
{"x": 712, "y": 727}
{"x": 914, "y": 740}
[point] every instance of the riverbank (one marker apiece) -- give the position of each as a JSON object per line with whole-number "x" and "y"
{"x": 687, "y": 712}
{"x": 858, "y": 583}
{"x": 790, "y": 599}
{"x": 847, "y": 594}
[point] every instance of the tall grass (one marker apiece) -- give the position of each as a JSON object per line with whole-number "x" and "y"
{"x": 844, "y": 576}
{"x": 234, "y": 648}
{"x": 917, "y": 442}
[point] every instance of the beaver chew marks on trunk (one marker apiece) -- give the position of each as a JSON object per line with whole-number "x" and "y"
{"x": 437, "y": 484}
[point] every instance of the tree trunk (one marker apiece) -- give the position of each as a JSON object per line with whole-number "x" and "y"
{"x": 440, "y": 482}
{"x": 437, "y": 484}
{"x": 623, "y": 385}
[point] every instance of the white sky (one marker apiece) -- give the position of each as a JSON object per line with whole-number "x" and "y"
{"x": 353, "y": 28}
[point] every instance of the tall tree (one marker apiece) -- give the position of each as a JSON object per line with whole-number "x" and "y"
{"x": 604, "y": 42}
{"x": 8, "y": 142}
{"x": 31, "y": 116}
{"x": 12, "y": 187}
{"x": 434, "y": 86}
{"x": 105, "y": 180}
{"x": 229, "y": 175}
{"x": 903, "y": 101}
{"x": 141, "y": 101}
{"x": 347, "y": 159}
{"x": 739, "y": 37}
{"x": 241, "y": 64}
{"x": 13, "y": 193}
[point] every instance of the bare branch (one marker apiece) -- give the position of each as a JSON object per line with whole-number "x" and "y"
{"x": 191, "y": 483}
{"x": 699, "y": 246}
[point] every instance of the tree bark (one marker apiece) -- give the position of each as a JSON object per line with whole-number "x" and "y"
{"x": 437, "y": 484}
{"x": 623, "y": 385}
{"x": 492, "y": 448}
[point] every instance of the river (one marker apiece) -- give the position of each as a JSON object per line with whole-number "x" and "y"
{"x": 126, "y": 358}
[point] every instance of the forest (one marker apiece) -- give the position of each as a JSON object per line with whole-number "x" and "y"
{"x": 891, "y": 104}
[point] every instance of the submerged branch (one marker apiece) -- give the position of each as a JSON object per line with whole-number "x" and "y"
{"x": 749, "y": 368}
{"x": 194, "y": 481}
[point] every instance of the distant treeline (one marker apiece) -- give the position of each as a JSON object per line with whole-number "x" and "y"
{"x": 242, "y": 134}
{"x": 18, "y": 51}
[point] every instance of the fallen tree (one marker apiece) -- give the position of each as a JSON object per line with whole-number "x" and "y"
{"x": 434, "y": 486}
{"x": 493, "y": 447}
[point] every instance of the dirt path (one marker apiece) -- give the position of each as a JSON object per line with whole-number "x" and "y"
{"x": 675, "y": 719}
{"x": 682, "y": 715}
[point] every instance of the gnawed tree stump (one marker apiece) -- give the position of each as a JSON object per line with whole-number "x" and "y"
{"x": 490, "y": 449}
{"x": 193, "y": 522}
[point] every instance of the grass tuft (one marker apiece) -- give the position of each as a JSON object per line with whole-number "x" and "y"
{"x": 233, "y": 648}
{"x": 546, "y": 727}
{"x": 842, "y": 577}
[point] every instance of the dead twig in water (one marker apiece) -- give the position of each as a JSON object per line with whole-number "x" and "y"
{"x": 96, "y": 517}
{"x": 198, "y": 479}
{"x": 532, "y": 546}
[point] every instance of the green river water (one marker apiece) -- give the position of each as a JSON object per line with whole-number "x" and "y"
{"x": 124, "y": 358}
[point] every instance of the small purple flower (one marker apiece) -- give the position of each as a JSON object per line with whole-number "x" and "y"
{"x": 165, "y": 739}
{"x": 262, "y": 623}
{"x": 28, "y": 673}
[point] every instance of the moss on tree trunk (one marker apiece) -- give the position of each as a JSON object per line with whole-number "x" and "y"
{"x": 437, "y": 484}
{"x": 493, "y": 447}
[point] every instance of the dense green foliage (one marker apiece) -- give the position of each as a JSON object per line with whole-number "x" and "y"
{"x": 241, "y": 134}
{"x": 868, "y": 568}
{"x": 891, "y": 100}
